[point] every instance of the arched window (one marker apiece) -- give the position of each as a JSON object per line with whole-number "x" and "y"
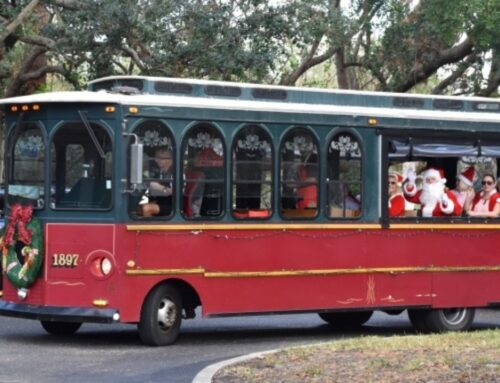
{"x": 252, "y": 173}
{"x": 159, "y": 171}
{"x": 344, "y": 176}
{"x": 82, "y": 167}
{"x": 203, "y": 173}
{"x": 299, "y": 174}
{"x": 26, "y": 176}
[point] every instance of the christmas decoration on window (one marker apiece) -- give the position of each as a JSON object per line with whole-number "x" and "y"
{"x": 346, "y": 147}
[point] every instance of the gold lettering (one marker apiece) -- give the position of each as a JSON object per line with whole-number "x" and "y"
{"x": 65, "y": 260}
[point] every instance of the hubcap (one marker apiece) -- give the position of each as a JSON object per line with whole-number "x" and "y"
{"x": 454, "y": 316}
{"x": 167, "y": 314}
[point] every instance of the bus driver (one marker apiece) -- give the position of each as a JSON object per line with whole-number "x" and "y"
{"x": 160, "y": 185}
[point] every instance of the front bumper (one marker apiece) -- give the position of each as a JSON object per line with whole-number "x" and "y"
{"x": 56, "y": 313}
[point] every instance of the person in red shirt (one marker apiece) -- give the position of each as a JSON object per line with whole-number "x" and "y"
{"x": 398, "y": 204}
{"x": 464, "y": 190}
{"x": 308, "y": 189}
{"x": 435, "y": 200}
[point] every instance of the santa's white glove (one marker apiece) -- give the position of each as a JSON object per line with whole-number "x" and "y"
{"x": 445, "y": 200}
{"x": 411, "y": 176}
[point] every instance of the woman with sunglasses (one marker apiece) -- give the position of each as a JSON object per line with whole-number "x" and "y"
{"x": 486, "y": 203}
{"x": 398, "y": 205}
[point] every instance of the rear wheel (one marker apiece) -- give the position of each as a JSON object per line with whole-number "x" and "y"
{"x": 441, "y": 320}
{"x": 60, "y": 328}
{"x": 346, "y": 320}
{"x": 161, "y": 316}
{"x": 457, "y": 319}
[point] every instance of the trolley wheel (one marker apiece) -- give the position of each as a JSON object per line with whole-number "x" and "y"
{"x": 417, "y": 319}
{"x": 346, "y": 320}
{"x": 442, "y": 320}
{"x": 60, "y": 328}
{"x": 161, "y": 316}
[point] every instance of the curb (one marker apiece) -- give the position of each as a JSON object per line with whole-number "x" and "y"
{"x": 206, "y": 375}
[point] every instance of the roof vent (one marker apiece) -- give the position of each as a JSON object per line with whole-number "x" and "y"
{"x": 128, "y": 90}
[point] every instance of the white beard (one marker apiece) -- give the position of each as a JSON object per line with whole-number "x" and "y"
{"x": 430, "y": 197}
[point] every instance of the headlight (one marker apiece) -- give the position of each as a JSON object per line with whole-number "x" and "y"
{"x": 106, "y": 266}
{"x": 100, "y": 265}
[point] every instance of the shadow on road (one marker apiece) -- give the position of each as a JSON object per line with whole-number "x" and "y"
{"x": 220, "y": 332}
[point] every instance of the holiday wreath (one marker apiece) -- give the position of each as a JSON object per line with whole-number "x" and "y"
{"x": 22, "y": 247}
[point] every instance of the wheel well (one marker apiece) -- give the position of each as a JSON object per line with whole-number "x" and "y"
{"x": 190, "y": 298}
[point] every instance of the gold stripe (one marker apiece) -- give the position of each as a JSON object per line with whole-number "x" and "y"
{"x": 312, "y": 226}
{"x": 445, "y": 226}
{"x": 396, "y": 270}
{"x": 323, "y": 272}
{"x": 164, "y": 271}
{"x": 253, "y": 226}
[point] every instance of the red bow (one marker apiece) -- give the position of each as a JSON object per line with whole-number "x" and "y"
{"x": 20, "y": 217}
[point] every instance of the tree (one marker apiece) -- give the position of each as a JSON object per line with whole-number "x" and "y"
{"x": 397, "y": 45}
{"x": 390, "y": 45}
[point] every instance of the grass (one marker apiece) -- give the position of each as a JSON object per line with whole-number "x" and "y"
{"x": 450, "y": 357}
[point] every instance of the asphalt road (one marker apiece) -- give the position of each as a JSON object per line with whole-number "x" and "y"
{"x": 114, "y": 353}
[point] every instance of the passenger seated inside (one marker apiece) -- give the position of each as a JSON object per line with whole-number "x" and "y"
{"x": 398, "y": 205}
{"x": 158, "y": 198}
{"x": 486, "y": 203}
{"x": 435, "y": 200}
{"x": 204, "y": 184}
{"x": 307, "y": 191}
{"x": 343, "y": 202}
{"x": 194, "y": 189}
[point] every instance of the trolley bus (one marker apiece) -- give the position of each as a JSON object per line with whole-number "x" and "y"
{"x": 145, "y": 198}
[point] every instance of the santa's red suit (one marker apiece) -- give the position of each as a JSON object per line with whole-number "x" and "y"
{"x": 436, "y": 202}
{"x": 398, "y": 205}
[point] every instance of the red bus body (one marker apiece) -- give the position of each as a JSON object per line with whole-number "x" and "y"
{"x": 287, "y": 268}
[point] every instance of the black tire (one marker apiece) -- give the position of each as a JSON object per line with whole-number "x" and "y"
{"x": 346, "y": 320}
{"x": 161, "y": 316}
{"x": 60, "y": 328}
{"x": 417, "y": 319}
{"x": 442, "y": 320}
{"x": 455, "y": 319}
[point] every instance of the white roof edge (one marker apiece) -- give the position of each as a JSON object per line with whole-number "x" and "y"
{"x": 250, "y": 105}
{"x": 291, "y": 88}
{"x": 65, "y": 97}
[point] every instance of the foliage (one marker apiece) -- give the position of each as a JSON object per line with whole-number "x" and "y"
{"x": 392, "y": 45}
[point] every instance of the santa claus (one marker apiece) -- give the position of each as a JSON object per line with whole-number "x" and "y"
{"x": 435, "y": 200}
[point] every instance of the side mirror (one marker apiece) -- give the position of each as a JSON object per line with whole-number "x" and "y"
{"x": 136, "y": 165}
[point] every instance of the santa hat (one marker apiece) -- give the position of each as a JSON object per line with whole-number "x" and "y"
{"x": 438, "y": 174}
{"x": 399, "y": 178}
{"x": 467, "y": 176}
{"x": 207, "y": 158}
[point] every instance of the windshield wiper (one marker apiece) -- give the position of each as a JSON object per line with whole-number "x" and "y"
{"x": 86, "y": 123}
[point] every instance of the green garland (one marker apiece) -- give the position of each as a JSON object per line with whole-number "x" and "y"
{"x": 23, "y": 274}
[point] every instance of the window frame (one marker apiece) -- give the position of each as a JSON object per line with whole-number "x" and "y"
{"x": 12, "y": 136}
{"x": 335, "y": 132}
{"x": 52, "y": 177}
{"x": 232, "y": 183}
{"x": 166, "y": 127}
{"x": 279, "y": 181}
{"x": 186, "y": 135}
